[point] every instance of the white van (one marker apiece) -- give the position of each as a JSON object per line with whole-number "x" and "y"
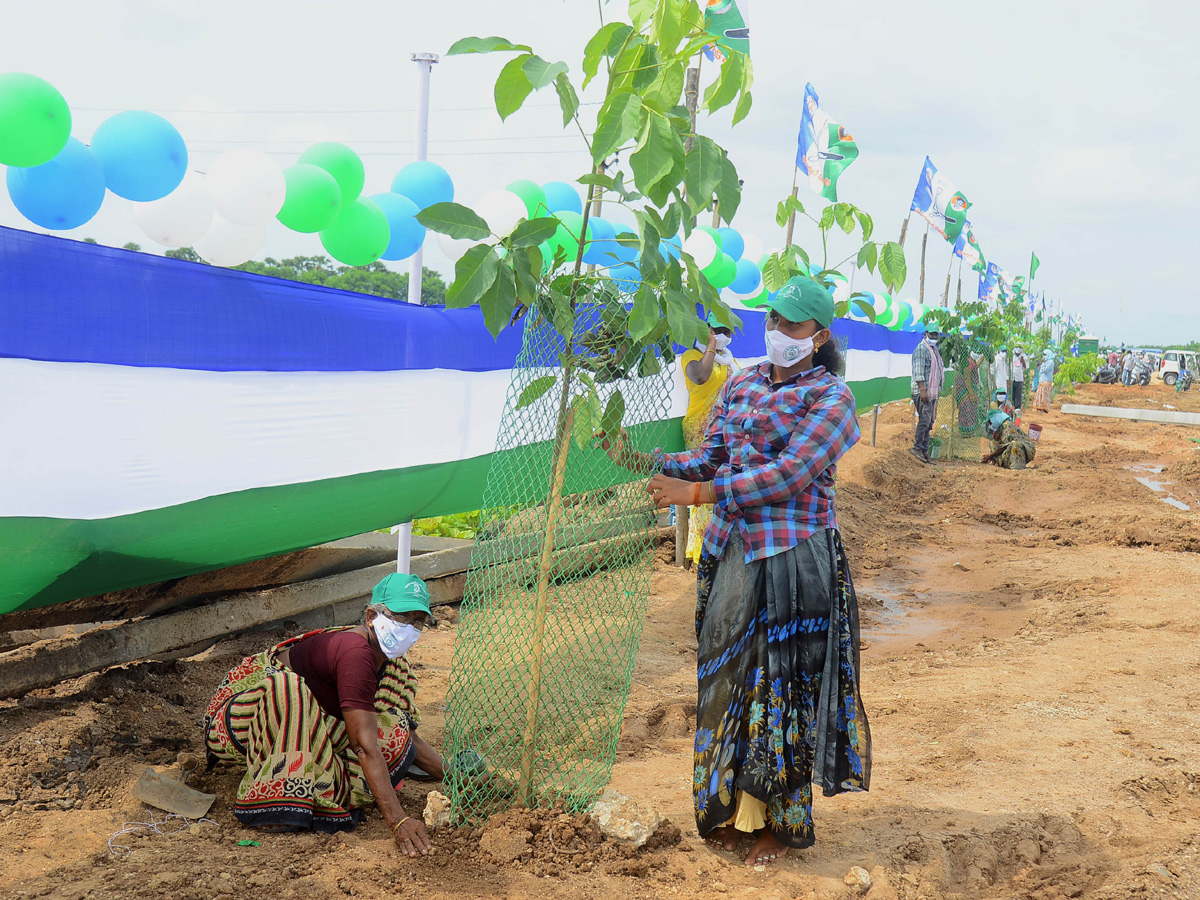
{"x": 1173, "y": 361}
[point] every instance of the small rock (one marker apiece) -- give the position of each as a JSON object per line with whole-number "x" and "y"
{"x": 1163, "y": 874}
{"x": 961, "y": 567}
{"x": 1029, "y": 852}
{"x": 447, "y": 614}
{"x": 437, "y": 810}
{"x": 858, "y": 878}
{"x": 719, "y": 887}
{"x": 622, "y": 819}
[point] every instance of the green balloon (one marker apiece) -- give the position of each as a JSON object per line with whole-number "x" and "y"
{"x": 567, "y": 235}
{"x": 758, "y": 299}
{"x": 725, "y": 273}
{"x": 35, "y": 120}
{"x": 360, "y": 234}
{"x": 891, "y": 313}
{"x": 342, "y": 163}
{"x": 313, "y": 199}
{"x": 532, "y": 196}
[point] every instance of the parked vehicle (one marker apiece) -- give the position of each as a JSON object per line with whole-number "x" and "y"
{"x": 1185, "y": 381}
{"x": 1174, "y": 361}
{"x": 1141, "y": 372}
{"x": 1107, "y": 374}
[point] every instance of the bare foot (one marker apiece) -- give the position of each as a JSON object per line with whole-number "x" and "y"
{"x": 724, "y": 838}
{"x": 765, "y": 850}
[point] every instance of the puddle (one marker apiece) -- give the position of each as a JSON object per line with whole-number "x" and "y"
{"x": 894, "y": 621}
{"x": 1159, "y": 487}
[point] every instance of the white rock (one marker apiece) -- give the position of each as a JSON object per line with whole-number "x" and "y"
{"x": 437, "y": 810}
{"x": 859, "y": 878}
{"x": 622, "y": 819}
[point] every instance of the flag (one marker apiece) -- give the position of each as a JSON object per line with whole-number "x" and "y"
{"x": 967, "y": 248}
{"x": 989, "y": 283}
{"x": 1034, "y": 262}
{"x": 938, "y": 202}
{"x": 729, "y": 22}
{"x": 824, "y": 148}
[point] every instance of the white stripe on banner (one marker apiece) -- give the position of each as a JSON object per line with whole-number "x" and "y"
{"x": 92, "y": 441}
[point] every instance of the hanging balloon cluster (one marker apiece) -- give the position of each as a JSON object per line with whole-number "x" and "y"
{"x": 58, "y": 182}
{"x": 896, "y": 315}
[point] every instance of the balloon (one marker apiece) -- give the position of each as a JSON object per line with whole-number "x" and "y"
{"x": 890, "y": 314}
{"x": 143, "y": 156}
{"x": 424, "y": 183}
{"x": 247, "y": 186}
{"x": 628, "y": 252}
{"x": 626, "y": 277}
{"x": 715, "y": 234}
{"x": 502, "y": 210}
{"x": 313, "y": 199}
{"x": 533, "y": 197}
{"x": 904, "y": 316}
{"x": 568, "y": 233}
{"x": 61, "y": 194}
{"x": 407, "y": 234}
{"x": 179, "y": 219}
{"x": 753, "y": 248}
{"x": 722, "y": 272}
{"x": 671, "y": 248}
{"x": 35, "y": 120}
{"x": 758, "y": 300}
{"x": 227, "y": 244}
{"x": 359, "y": 235}
{"x": 732, "y": 243}
{"x": 455, "y": 248}
{"x": 879, "y": 302}
{"x": 702, "y": 247}
{"x": 342, "y": 163}
{"x": 601, "y": 245}
{"x": 547, "y": 256}
{"x": 748, "y": 278}
{"x": 561, "y": 197}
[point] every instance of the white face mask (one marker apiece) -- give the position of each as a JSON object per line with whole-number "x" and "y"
{"x": 784, "y": 351}
{"x": 395, "y": 638}
{"x": 722, "y": 341}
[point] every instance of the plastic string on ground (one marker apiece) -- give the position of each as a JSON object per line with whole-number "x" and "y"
{"x": 155, "y": 827}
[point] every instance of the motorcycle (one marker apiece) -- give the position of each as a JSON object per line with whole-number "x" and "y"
{"x": 1141, "y": 373}
{"x": 1106, "y": 375}
{"x": 1185, "y": 381}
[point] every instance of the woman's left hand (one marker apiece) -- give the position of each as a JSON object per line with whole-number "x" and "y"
{"x": 670, "y": 491}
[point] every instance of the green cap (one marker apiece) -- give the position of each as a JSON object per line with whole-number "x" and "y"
{"x": 932, "y": 328}
{"x": 402, "y": 593}
{"x": 802, "y": 299}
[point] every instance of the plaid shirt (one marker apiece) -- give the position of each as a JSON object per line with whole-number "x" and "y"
{"x": 771, "y": 453}
{"x": 922, "y": 362}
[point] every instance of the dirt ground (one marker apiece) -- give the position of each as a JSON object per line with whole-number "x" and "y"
{"x": 1030, "y": 668}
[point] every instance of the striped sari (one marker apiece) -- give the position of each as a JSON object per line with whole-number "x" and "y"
{"x": 300, "y": 771}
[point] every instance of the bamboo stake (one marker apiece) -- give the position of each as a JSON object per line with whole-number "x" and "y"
{"x": 924, "y": 241}
{"x": 946, "y": 292}
{"x": 554, "y": 505}
{"x": 904, "y": 229}
{"x": 958, "y": 299}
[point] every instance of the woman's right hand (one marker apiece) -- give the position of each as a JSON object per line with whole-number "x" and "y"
{"x": 616, "y": 447}
{"x": 412, "y": 838}
{"x": 712, "y": 341}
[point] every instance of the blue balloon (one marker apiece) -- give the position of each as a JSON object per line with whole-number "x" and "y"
{"x": 61, "y": 194}
{"x": 561, "y": 197}
{"x": 143, "y": 155}
{"x": 671, "y": 248}
{"x": 626, "y": 277}
{"x": 407, "y": 233}
{"x": 599, "y": 249}
{"x": 732, "y": 243}
{"x": 424, "y": 183}
{"x": 626, "y": 253}
{"x": 748, "y": 277}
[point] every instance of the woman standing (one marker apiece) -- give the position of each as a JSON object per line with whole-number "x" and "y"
{"x": 1045, "y": 386}
{"x": 776, "y": 615}
{"x": 705, "y": 373}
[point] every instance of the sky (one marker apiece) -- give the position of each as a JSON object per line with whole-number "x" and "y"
{"x": 1067, "y": 125}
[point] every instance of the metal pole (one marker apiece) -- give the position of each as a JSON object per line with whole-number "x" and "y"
{"x": 424, "y": 63}
{"x": 403, "y": 533}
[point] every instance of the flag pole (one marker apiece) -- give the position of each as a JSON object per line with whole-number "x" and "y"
{"x": 949, "y": 270}
{"x": 924, "y": 241}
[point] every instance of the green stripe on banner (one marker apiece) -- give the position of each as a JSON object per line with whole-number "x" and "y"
{"x": 50, "y": 561}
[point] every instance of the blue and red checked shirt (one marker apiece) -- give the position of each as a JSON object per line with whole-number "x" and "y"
{"x": 771, "y": 452}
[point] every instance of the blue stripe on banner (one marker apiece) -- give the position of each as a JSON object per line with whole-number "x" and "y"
{"x": 67, "y": 301}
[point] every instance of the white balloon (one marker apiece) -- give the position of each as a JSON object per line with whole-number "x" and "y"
{"x": 753, "y": 247}
{"x": 454, "y": 248}
{"x": 227, "y": 244}
{"x": 179, "y": 219}
{"x": 247, "y": 186}
{"x": 702, "y": 247}
{"x": 502, "y": 210}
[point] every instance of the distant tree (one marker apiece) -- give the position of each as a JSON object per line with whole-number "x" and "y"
{"x": 90, "y": 241}
{"x": 375, "y": 279}
{"x": 137, "y": 248}
{"x": 187, "y": 254}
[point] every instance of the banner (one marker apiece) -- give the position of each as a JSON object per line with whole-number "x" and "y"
{"x": 967, "y": 248}
{"x": 938, "y": 202}
{"x": 824, "y": 149}
{"x": 989, "y": 283}
{"x": 729, "y": 22}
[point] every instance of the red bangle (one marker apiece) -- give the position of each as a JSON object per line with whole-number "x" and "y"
{"x": 696, "y": 494}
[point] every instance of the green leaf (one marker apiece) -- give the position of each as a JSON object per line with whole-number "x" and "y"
{"x": 604, "y": 181}
{"x": 646, "y": 313}
{"x": 722, "y": 91}
{"x": 567, "y": 98}
{"x": 455, "y": 220}
{"x": 535, "y": 390}
{"x": 499, "y": 301}
{"x": 729, "y": 189}
{"x": 893, "y": 268}
{"x": 619, "y": 121}
{"x": 605, "y": 42}
{"x": 703, "y": 172}
{"x": 532, "y": 232}
{"x": 512, "y": 85}
{"x": 527, "y": 266}
{"x": 745, "y": 101}
{"x": 781, "y": 214}
{"x": 640, "y": 12}
{"x": 667, "y": 87}
{"x": 669, "y": 27}
{"x": 614, "y": 412}
{"x": 587, "y": 418}
{"x": 556, "y": 309}
{"x": 867, "y": 256}
{"x": 541, "y": 73}
{"x": 681, "y": 317}
{"x": 867, "y": 309}
{"x": 826, "y": 219}
{"x": 483, "y": 45}
{"x": 656, "y": 153}
{"x": 474, "y": 274}
{"x": 844, "y": 216}
{"x": 774, "y": 273}
{"x": 867, "y": 223}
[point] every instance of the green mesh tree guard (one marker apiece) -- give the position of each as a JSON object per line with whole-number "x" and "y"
{"x": 559, "y": 580}
{"x": 963, "y": 406}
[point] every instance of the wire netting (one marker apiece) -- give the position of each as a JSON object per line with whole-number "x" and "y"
{"x": 958, "y": 431}
{"x": 558, "y": 585}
